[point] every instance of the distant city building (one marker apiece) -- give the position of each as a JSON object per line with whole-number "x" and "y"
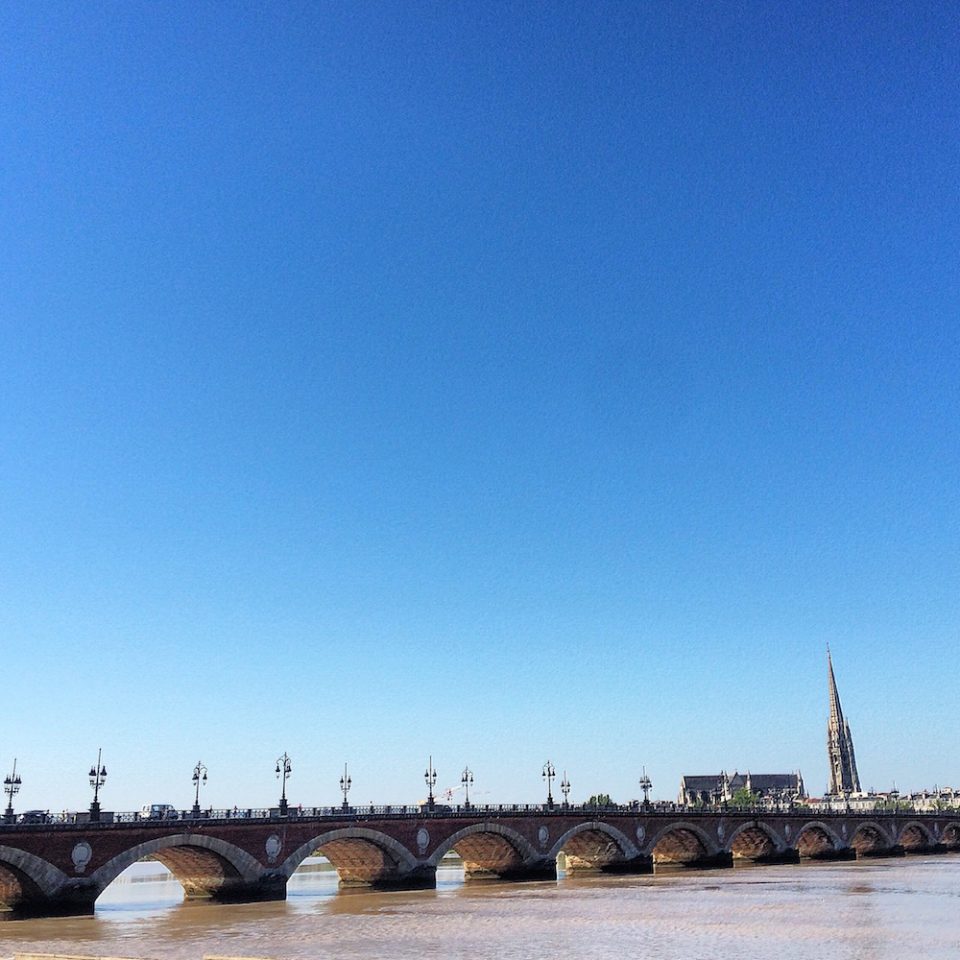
{"x": 844, "y": 778}
{"x": 721, "y": 787}
{"x": 930, "y": 801}
{"x": 921, "y": 801}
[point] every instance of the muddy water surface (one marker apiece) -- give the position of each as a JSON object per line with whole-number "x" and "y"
{"x": 869, "y": 910}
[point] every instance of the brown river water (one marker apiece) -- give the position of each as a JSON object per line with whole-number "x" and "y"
{"x": 866, "y": 910}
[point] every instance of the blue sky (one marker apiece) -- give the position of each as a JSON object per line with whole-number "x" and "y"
{"x": 496, "y": 381}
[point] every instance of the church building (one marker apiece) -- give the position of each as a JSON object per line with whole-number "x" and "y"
{"x": 721, "y": 787}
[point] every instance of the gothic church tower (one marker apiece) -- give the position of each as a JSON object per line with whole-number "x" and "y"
{"x": 843, "y": 763}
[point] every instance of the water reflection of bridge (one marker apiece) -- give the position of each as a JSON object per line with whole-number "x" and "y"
{"x": 49, "y": 869}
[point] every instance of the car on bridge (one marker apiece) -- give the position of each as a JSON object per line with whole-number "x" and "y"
{"x": 158, "y": 811}
{"x": 33, "y": 816}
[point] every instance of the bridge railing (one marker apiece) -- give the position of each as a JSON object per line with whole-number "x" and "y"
{"x": 418, "y": 811}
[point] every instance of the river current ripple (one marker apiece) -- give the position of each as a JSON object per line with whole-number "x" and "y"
{"x": 867, "y": 910}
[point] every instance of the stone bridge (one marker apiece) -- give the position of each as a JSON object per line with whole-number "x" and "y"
{"x": 61, "y": 868}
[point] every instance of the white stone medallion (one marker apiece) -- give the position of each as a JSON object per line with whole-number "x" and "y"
{"x": 641, "y": 834}
{"x": 786, "y": 831}
{"x": 543, "y": 835}
{"x": 423, "y": 839}
{"x": 721, "y": 832}
{"x": 272, "y": 847}
{"x": 81, "y": 855}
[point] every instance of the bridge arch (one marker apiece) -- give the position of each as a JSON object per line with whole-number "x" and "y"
{"x": 207, "y": 867}
{"x": 26, "y": 878}
{"x": 488, "y": 849}
{"x": 361, "y": 857}
{"x": 754, "y": 840}
{"x": 681, "y": 842}
{"x": 815, "y": 839}
{"x": 594, "y": 845}
{"x": 915, "y": 837}
{"x": 950, "y": 836}
{"x": 870, "y": 839}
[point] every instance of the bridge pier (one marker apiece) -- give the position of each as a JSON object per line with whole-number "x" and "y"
{"x": 894, "y": 851}
{"x": 639, "y": 864}
{"x": 542, "y": 869}
{"x": 787, "y": 855}
{"x": 422, "y": 877}
{"x": 74, "y": 900}
{"x": 841, "y": 853}
{"x": 925, "y": 849}
{"x": 269, "y": 886}
{"x": 578, "y": 866}
{"x": 716, "y": 861}
{"x": 722, "y": 860}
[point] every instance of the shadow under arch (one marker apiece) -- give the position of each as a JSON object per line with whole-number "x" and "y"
{"x": 361, "y": 857}
{"x": 817, "y": 841}
{"x": 757, "y": 841}
{"x": 685, "y": 844}
{"x": 950, "y": 836}
{"x": 26, "y": 882}
{"x": 490, "y": 850}
{"x": 915, "y": 837}
{"x": 206, "y": 867}
{"x": 870, "y": 839}
{"x": 597, "y": 846}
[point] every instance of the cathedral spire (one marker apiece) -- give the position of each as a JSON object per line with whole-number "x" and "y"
{"x": 836, "y": 711}
{"x": 843, "y": 764}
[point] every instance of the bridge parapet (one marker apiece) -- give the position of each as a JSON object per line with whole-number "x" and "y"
{"x": 473, "y": 811}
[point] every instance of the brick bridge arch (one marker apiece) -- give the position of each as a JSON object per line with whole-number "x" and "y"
{"x": 206, "y": 867}
{"x": 682, "y": 842}
{"x": 492, "y": 850}
{"x": 815, "y": 840}
{"x": 755, "y": 840}
{"x": 950, "y": 836}
{"x": 871, "y": 839}
{"x": 26, "y": 878}
{"x": 915, "y": 837}
{"x": 361, "y": 857}
{"x": 595, "y": 845}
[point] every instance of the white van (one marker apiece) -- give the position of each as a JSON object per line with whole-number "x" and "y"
{"x": 158, "y": 811}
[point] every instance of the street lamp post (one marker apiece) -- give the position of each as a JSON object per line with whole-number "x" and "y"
{"x": 97, "y": 775}
{"x": 549, "y": 772}
{"x": 11, "y": 787}
{"x": 645, "y": 785}
{"x": 467, "y": 780}
{"x": 565, "y": 790}
{"x": 283, "y": 771}
{"x": 199, "y": 779}
{"x": 346, "y": 783}
{"x": 430, "y": 778}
